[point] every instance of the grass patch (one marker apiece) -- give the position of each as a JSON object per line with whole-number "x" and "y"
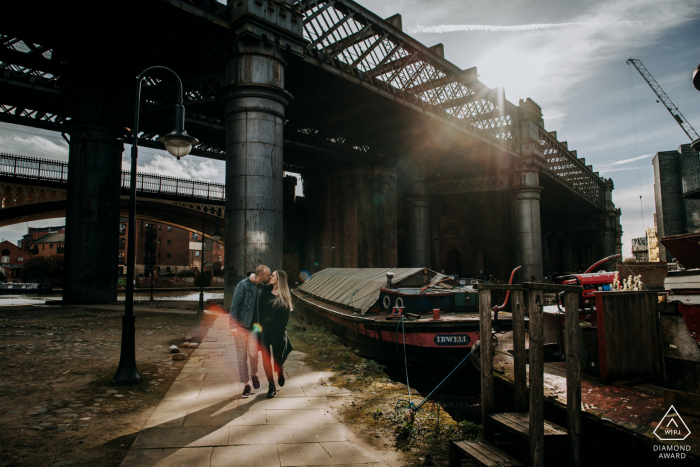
{"x": 378, "y": 406}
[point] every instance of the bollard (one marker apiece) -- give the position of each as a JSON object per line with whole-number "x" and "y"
{"x": 436, "y": 314}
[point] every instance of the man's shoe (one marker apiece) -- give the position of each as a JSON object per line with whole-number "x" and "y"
{"x": 280, "y": 379}
{"x": 246, "y": 391}
{"x": 256, "y": 382}
{"x": 271, "y": 391}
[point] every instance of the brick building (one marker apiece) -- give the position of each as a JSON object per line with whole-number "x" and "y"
{"x": 675, "y": 212}
{"x": 49, "y": 246}
{"x": 12, "y": 259}
{"x": 35, "y": 233}
{"x": 163, "y": 246}
{"x": 213, "y": 253}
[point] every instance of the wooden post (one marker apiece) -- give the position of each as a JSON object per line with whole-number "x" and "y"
{"x": 536, "y": 379}
{"x": 519, "y": 355}
{"x": 573, "y": 378}
{"x": 487, "y": 394}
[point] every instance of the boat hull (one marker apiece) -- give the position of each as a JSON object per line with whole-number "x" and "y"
{"x": 427, "y": 342}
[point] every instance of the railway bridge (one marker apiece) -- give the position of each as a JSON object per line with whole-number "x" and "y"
{"x": 406, "y": 159}
{"x": 34, "y": 189}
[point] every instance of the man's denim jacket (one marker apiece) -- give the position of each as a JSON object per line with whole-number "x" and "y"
{"x": 243, "y": 304}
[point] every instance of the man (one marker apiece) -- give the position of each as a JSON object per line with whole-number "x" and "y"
{"x": 242, "y": 321}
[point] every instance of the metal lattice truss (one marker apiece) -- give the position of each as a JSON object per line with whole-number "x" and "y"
{"x": 22, "y": 61}
{"x": 572, "y": 172}
{"x": 345, "y": 35}
{"x": 40, "y": 119}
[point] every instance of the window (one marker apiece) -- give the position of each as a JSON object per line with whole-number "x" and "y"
{"x": 43, "y": 247}
{"x": 170, "y": 229}
{"x": 219, "y": 258}
{"x": 20, "y": 258}
{"x": 50, "y": 246}
{"x": 168, "y": 268}
{"x": 122, "y": 243}
{"x": 122, "y": 229}
{"x": 196, "y": 253}
{"x": 169, "y": 242}
{"x": 121, "y": 258}
{"x": 168, "y": 258}
{"x": 194, "y": 235}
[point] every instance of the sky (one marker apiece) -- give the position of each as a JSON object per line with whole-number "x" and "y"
{"x": 567, "y": 56}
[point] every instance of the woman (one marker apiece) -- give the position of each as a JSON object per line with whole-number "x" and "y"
{"x": 275, "y": 306}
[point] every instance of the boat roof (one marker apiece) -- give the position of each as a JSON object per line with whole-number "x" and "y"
{"x": 359, "y": 288}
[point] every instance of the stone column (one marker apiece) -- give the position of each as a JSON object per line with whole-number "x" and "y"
{"x": 254, "y": 104}
{"x": 525, "y": 208}
{"x": 418, "y": 205}
{"x": 92, "y": 214}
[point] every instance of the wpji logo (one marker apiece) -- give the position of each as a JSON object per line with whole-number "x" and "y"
{"x": 672, "y": 427}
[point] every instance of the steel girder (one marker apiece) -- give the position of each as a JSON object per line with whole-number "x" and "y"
{"x": 566, "y": 168}
{"x": 349, "y": 37}
{"x": 341, "y": 35}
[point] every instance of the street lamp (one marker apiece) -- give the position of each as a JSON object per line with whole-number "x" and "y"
{"x": 216, "y": 236}
{"x": 179, "y": 144}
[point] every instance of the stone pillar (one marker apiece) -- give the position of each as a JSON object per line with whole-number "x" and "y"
{"x": 92, "y": 215}
{"x": 525, "y": 208}
{"x": 418, "y": 205}
{"x": 254, "y": 103}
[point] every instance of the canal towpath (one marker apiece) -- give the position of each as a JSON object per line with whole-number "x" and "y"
{"x": 204, "y": 421}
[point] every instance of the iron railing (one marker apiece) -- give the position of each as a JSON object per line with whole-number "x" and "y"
{"x": 160, "y": 184}
{"x": 34, "y": 168}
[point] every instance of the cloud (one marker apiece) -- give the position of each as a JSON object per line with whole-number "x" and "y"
{"x": 553, "y": 116}
{"x": 551, "y": 60}
{"x": 444, "y": 28}
{"x": 624, "y": 161}
{"x": 45, "y": 147}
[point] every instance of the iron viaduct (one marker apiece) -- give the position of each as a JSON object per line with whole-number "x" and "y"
{"x": 407, "y": 160}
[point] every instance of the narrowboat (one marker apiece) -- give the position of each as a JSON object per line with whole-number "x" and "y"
{"x": 19, "y": 288}
{"x": 379, "y": 311}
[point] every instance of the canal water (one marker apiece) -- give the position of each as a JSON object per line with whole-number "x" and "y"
{"x": 139, "y": 295}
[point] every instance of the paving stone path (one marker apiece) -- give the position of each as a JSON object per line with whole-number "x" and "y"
{"x": 203, "y": 421}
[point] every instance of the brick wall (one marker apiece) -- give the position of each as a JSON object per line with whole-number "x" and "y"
{"x": 351, "y": 219}
{"x": 12, "y": 259}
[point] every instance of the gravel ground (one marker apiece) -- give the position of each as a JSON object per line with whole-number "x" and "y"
{"x": 57, "y": 403}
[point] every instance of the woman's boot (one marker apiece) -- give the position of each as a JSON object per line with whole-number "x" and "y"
{"x": 271, "y": 390}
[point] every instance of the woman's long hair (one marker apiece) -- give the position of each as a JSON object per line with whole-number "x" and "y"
{"x": 284, "y": 297}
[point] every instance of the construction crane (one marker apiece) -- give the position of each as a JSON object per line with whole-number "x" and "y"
{"x": 670, "y": 106}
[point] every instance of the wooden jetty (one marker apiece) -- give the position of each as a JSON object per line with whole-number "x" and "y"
{"x": 570, "y": 413}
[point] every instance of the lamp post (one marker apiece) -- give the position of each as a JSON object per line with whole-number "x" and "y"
{"x": 179, "y": 144}
{"x": 216, "y": 236}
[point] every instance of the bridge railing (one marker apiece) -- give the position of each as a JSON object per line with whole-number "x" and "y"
{"x": 160, "y": 184}
{"x": 33, "y": 167}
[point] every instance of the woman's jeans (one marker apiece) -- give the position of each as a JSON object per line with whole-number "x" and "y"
{"x": 271, "y": 357}
{"x": 246, "y": 347}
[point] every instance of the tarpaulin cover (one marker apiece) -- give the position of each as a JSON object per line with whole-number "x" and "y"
{"x": 358, "y": 288}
